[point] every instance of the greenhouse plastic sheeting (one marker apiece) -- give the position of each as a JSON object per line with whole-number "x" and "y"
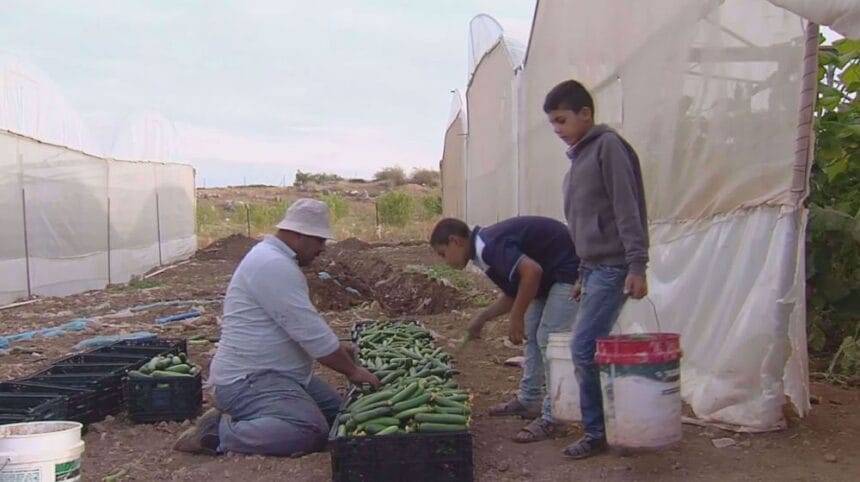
{"x": 708, "y": 93}
{"x": 87, "y": 221}
{"x": 452, "y": 166}
{"x": 491, "y": 149}
{"x": 843, "y": 16}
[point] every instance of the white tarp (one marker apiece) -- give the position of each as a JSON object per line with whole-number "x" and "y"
{"x": 708, "y": 92}
{"x": 491, "y": 149}
{"x": 452, "y": 166}
{"x": 87, "y": 221}
{"x": 843, "y": 16}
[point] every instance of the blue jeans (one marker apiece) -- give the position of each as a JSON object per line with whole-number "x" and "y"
{"x": 554, "y": 314}
{"x": 271, "y": 414}
{"x": 600, "y": 304}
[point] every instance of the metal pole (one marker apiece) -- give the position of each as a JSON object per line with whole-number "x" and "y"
{"x": 248, "y": 218}
{"x": 158, "y": 226}
{"x": 108, "y": 240}
{"x": 26, "y": 242}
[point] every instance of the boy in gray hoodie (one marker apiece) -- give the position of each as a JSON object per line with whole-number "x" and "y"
{"x": 604, "y": 203}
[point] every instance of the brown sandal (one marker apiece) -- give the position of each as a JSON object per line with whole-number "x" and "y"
{"x": 537, "y": 430}
{"x": 513, "y": 407}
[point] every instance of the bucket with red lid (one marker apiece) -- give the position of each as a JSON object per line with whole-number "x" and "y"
{"x": 641, "y": 382}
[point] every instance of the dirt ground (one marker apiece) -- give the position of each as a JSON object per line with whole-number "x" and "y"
{"x": 355, "y": 281}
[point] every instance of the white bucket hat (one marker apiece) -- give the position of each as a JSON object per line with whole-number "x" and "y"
{"x": 309, "y": 217}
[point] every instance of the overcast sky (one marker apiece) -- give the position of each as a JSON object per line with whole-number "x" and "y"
{"x": 259, "y": 88}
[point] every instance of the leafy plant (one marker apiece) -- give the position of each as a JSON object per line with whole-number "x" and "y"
{"x": 833, "y": 236}
{"x": 337, "y": 205}
{"x": 395, "y": 208}
{"x": 432, "y": 206}
{"x": 425, "y": 177}
{"x": 394, "y": 175}
{"x": 321, "y": 178}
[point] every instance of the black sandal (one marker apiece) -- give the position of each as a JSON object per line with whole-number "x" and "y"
{"x": 586, "y": 447}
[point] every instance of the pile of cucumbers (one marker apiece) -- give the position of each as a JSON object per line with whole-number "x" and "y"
{"x": 167, "y": 366}
{"x": 418, "y": 392}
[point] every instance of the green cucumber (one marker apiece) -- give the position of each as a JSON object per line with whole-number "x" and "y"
{"x": 166, "y": 374}
{"x": 341, "y": 431}
{"x": 405, "y": 393}
{"x": 457, "y": 411}
{"x": 388, "y": 431}
{"x": 441, "y": 427}
{"x": 391, "y": 376}
{"x": 383, "y": 421}
{"x": 376, "y": 397}
{"x": 411, "y": 403}
{"x": 441, "y": 418}
{"x": 138, "y": 374}
{"x": 181, "y": 368}
{"x": 368, "y": 406}
{"x": 412, "y": 411}
{"x": 445, "y": 402}
{"x": 361, "y": 417}
{"x": 373, "y": 428}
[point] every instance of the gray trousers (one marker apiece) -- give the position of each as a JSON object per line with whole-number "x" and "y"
{"x": 271, "y": 414}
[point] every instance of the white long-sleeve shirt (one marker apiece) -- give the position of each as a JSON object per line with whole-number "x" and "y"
{"x": 269, "y": 322}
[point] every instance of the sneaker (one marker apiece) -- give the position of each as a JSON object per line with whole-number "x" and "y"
{"x": 202, "y": 438}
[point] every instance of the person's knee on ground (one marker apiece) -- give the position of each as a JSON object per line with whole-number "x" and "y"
{"x": 274, "y": 436}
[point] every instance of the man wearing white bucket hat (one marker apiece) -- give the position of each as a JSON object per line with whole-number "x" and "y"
{"x": 267, "y": 399}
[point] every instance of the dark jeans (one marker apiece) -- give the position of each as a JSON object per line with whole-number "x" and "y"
{"x": 271, "y": 414}
{"x": 602, "y": 298}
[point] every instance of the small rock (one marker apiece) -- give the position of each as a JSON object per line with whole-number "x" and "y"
{"x": 806, "y": 443}
{"x": 109, "y": 419}
{"x": 511, "y": 378}
{"x": 676, "y": 466}
{"x": 722, "y": 443}
{"x": 98, "y": 427}
{"x": 831, "y": 458}
{"x": 503, "y": 466}
{"x": 526, "y": 472}
{"x": 814, "y": 399}
{"x": 186, "y": 423}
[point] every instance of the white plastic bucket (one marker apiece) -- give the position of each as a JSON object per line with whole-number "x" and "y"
{"x": 563, "y": 387}
{"x": 641, "y": 382}
{"x": 41, "y": 452}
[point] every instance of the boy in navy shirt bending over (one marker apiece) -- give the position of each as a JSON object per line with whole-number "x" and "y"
{"x": 533, "y": 262}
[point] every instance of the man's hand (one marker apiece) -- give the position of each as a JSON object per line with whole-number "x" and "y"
{"x": 516, "y": 333}
{"x": 576, "y": 292}
{"x": 635, "y": 286}
{"x": 475, "y": 327}
{"x": 361, "y": 375}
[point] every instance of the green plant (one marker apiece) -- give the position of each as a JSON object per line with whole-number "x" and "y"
{"x": 337, "y": 205}
{"x": 432, "y": 205}
{"x": 207, "y": 215}
{"x": 262, "y": 216}
{"x": 395, "y": 208}
{"x": 833, "y": 235}
{"x": 425, "y": 177}
{"x": 321, "y": 178}
{"x": 394, "y": 175}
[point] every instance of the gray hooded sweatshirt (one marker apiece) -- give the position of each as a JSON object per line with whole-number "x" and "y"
{"x": 604, "y": 201}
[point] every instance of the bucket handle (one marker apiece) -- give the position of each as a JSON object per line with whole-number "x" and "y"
{"x": 6, "y": 458}
{"x": 654, "y": 310}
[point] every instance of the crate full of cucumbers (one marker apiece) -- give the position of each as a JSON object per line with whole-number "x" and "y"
{"x": 166, "y": 388}
{"x": 416, "y": 425}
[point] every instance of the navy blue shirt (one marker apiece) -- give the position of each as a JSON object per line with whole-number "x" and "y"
{"x": 502, "y": 245}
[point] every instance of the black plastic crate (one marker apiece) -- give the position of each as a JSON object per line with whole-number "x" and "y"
{"x": 413, "y": 457}
{"x": 107, "y": 386}
{"x": 119, "y": 369}
{"x": 164, "y": 399}
{"x": 147, "y": 346}
{"x": 32, "y": 407}
{"x": 128, "y": 360}
{"x": 81, "y": 405}
{"x": 416, "y": 457}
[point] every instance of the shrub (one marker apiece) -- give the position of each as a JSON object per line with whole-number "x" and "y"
{"x": 395, "y": 208}
{"x": 393, "y": 175}
{"x": 321, "y": 178}
{"x": 337, "y": 205}
{"x": 425, "y": 177}
{"x": 432, "y": 205}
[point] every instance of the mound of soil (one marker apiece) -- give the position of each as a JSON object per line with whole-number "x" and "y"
{"x": 231, "y": 248}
